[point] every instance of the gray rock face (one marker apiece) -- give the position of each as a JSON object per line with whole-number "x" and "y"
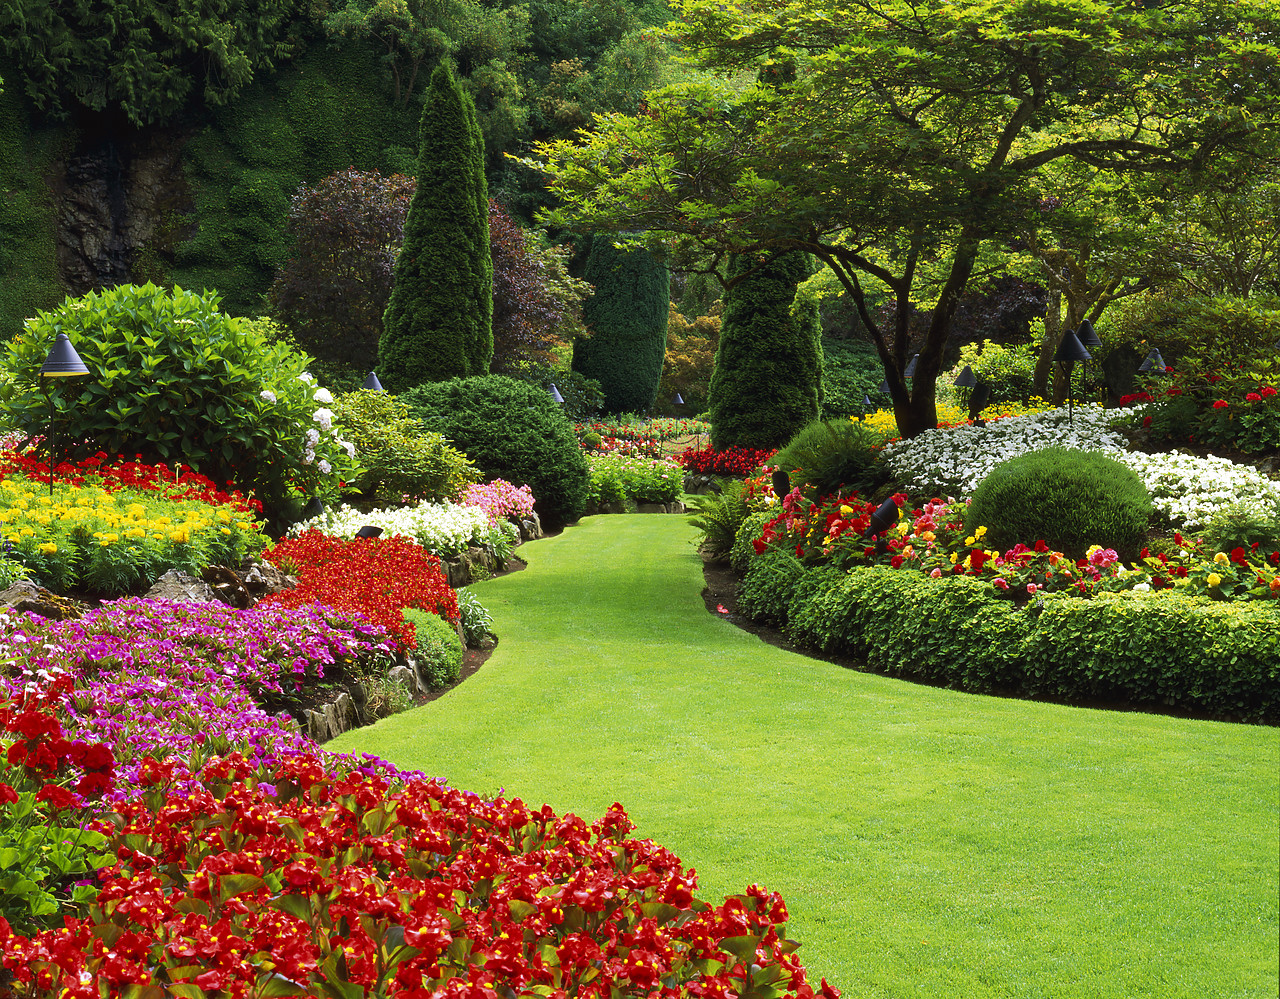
{"x": 26, "y": 596}
{"x": 406, "y": 677}
{"x": 178, "y": 585}
{"x": 530, "y": 527}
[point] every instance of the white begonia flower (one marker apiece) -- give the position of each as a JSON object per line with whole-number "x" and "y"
{"x": 323, "y": 396}
{"x": 444, "y": 529}
{"x": 266, "y": 395}
{"x": 324, "y": 417}
{"x": 308, "y": 456}
{"x": 306, "y": 377}
{"x": 325, "y": 467}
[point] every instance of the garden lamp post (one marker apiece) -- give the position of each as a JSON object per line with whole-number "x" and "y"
{"x": 678, "y": 400}
{"x": 866, "y": 405}
{"x": 62, "y": 361}
{"x": 555, "y": 394}
{"x": 1070, "y": 351}
{"x": 1152, "y": 364}
{"x": 885, "y": 516}
{"x": 1089, "y": 339}
{"x": 911, "y": 366}
{"x": 372, "y": 384}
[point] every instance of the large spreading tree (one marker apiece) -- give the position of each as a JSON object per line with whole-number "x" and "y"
{"x": 439, "y": 320}
{"x": 897, "y": 140}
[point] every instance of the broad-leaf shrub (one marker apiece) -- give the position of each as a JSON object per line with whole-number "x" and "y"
{"x": 444, "y": 529}
{"x": 617, "y": 479}
{"x": 401, "y": 460}
{"x": 288, "y": 881}
{"x": 1067, "y": 499}
{"x": 439, "y": 650}
{"x": 173, "y": 379}
{"x": 375, "y": 577}
{"x": 1008, "y": 370}
{"x": 186, "y": 681}
{"x": 513, "y": 431}
{"x": 766, "y": 589}
{"x": 117, "y": 542}
{"x": 1154, "y": 649}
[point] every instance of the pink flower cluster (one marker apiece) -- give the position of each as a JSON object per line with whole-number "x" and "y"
{"x": 500, "y": 500}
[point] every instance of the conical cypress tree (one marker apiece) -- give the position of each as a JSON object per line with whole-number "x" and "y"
{"x": 627, "y": 315}
{"x": 439, "y": 319}
{"x": 768, "y": 368}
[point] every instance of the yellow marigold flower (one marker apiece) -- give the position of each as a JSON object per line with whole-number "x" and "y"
{"x": 1214, "y": 579}
{"x": 135, "y": 532}
{"x": 48, "y": 548}
{"x": 227, "y": 530}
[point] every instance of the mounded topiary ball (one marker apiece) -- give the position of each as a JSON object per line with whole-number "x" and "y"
{"x": 511, "y": 430}
{"x": 1068, "y": 499}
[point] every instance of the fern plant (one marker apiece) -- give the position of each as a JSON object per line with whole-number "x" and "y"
{"x": 718, "y": 516}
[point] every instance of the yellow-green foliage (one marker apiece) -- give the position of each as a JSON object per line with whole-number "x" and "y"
{"x": 691, "y": 354}
{"x": 117, "y": 542}
{"x": 1008, "y": 370}
{"x": 400, "y": 457}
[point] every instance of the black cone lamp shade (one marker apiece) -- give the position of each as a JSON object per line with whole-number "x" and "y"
{"x": 885, "y": 517}
{"x": 966, "y": 378}
{"x": 369, "y": 531}
{"x": 679, "y": 399}
{"x": 62, "y": 360}
{"x": 1152, "y": 362}
{"x": 884, "y": 387}
{"x": 866, "y": 401}
{"x": 555, "y": 393}
{"x": 1087, "y": 336}
{"x": 911, "y": 367}
{"x": 372, "y": 384}
{"x": 1071, "y": 350}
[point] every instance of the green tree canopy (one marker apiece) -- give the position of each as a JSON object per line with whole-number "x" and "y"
{"x": 148, "y": 57}
{"x": 896, "y": 136}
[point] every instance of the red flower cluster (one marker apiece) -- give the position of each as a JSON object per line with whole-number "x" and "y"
{"x": 46, "y": 755}
{"x": 315, "y": 885}
{"x": 178, "y": 482}
{"x": 376, "y": 577}
{"x": 738, "y": 462}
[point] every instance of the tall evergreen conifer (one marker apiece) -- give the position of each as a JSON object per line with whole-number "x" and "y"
{"x": 768, "y": 371}
{"x": 627, "y": 316}
{"x": 439, "y": 320}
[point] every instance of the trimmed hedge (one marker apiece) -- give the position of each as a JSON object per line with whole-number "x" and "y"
{"x": 1150, "y": 649}
{"x": 439, "y": 651}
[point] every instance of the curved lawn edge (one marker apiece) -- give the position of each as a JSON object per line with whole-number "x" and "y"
{"x": 926, "y": 841}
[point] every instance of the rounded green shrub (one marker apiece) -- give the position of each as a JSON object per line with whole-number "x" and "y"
{"x": 832, "y": 454}
{"x": 743, "y": 552}
{"x": 511, "y": 430}
{"x": 439, "y": 652}
{"x": 175, "y": 380}
{"x": 767, "y": 587}
{"x": 1068, "y": 499}
{"x": 400, "y": 458}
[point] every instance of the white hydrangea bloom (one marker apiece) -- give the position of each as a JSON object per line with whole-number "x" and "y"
{"x": 325, "y": 467}
{"x": 266, "y": 395}
{"x": 348, "y": 447}
{"x": 306, "y": 377}
{"x": 323, "y": 396}
{"x": 313, "y": 438}
{"x": 324, "y": 417}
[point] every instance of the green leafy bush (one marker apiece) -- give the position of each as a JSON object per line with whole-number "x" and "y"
{"x": 718, "y": 516}
{"x": 834, "y": 454}
{"x": 766, "y": 589}
{"x": 477, "y": 622}
{"x": 1243, "y": 525}
{"x": 173, "y": 379}
{"x": 618, "y": 478}
{"x": 1068, "y": 499}
{"x": 439, "y": 652}
{"x": 1008, "y": 370}
{"x": 511, "y": 430}
{"x": 743, "y": 552}
{"x": 850, "y": 370}
{"x": 1155, "y": 648}
{"x": 400, "y": 459}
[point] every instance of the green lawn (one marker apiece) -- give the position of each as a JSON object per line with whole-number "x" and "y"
{"x": 928, "y": 842}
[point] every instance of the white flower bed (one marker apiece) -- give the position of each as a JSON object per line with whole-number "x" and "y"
{"x": 1186, "y": 489}
{"x": 444, "y": 529}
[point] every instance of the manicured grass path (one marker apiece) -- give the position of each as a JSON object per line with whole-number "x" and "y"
{"x": 928, "y": 842}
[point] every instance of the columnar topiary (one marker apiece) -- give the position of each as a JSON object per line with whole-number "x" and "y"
{"x": 627, "y": 316}
{"x": 768, "y": 371}
{"x": 439, "y": 321}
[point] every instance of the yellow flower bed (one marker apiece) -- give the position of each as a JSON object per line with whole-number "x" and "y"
{"x": 117, "y": 542}
{"x": 883, "y": 422}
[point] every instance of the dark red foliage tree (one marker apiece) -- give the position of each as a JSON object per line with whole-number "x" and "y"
{"x": 526, "y": 315}
{"x": 332, "y": 291}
